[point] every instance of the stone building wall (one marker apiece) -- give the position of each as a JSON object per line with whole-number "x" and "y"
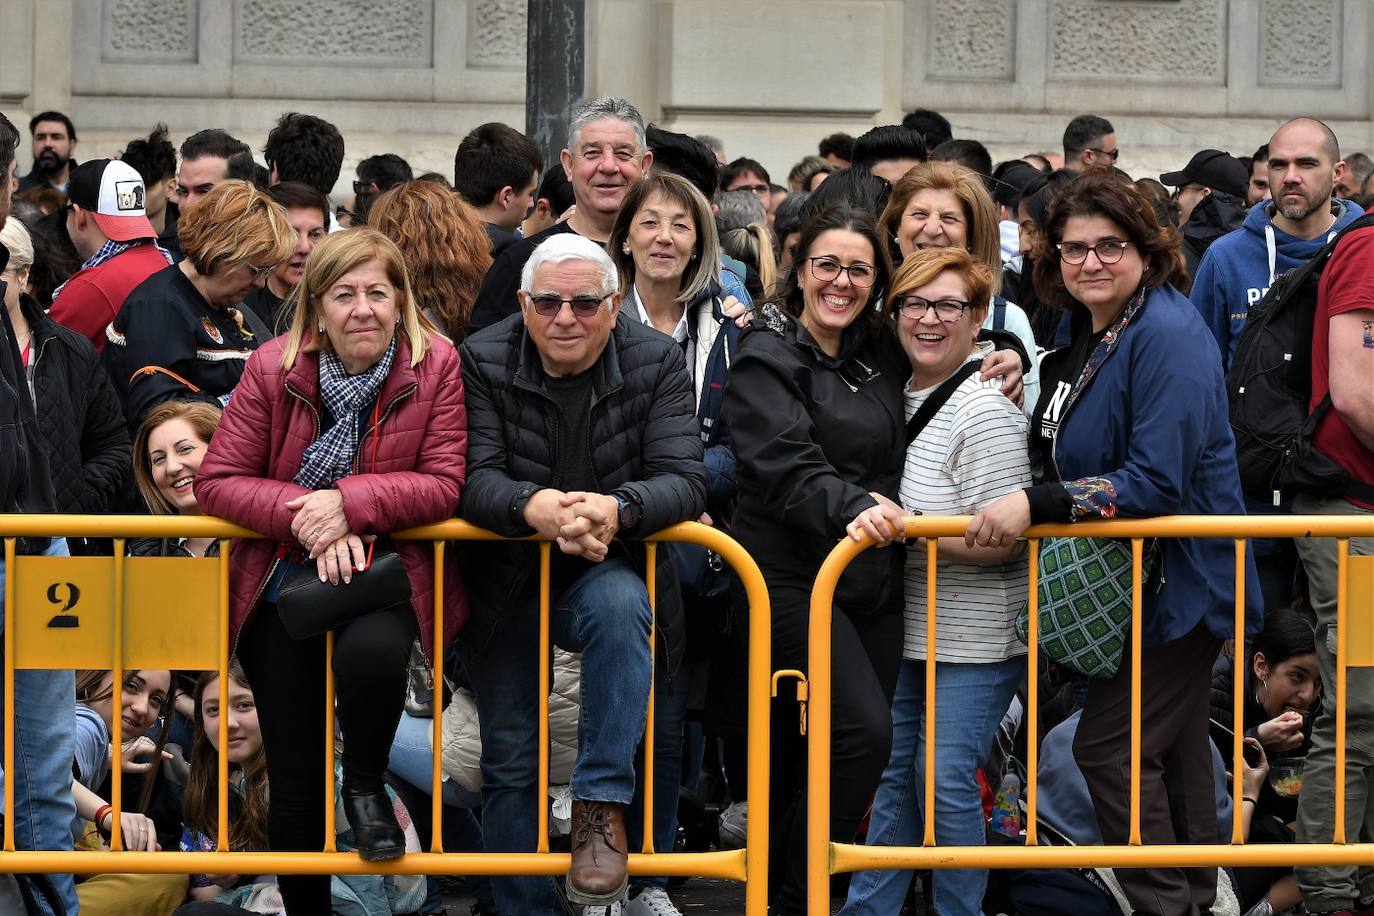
{"x": 768, "y": 76}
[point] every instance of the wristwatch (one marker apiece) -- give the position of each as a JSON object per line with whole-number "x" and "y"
{"x": 627, "y": 512}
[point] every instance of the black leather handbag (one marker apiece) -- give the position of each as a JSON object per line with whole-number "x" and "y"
{"x": 309, "y": 607}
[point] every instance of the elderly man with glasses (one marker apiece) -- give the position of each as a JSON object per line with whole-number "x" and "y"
{"x": 582, "y": 429}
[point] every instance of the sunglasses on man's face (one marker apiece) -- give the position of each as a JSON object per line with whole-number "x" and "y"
{"x": 582, "y": 306}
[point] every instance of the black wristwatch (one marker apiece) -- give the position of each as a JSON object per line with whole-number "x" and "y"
{"x": 627, "y": 512}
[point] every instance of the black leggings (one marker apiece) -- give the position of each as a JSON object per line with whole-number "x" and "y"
{"x": 287, "y": 677}
{"x": 865, "y": 651}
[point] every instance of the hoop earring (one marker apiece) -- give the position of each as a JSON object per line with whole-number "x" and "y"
{"x": 1264, "y": 686}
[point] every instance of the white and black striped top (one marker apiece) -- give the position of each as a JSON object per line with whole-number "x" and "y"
{"x": 972, "y": 451}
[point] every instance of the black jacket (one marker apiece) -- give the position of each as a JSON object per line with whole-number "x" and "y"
{"x": 1215, "y": 215}
{"x": 813, "y": 434}
{"x": 81, "y": 418}
{"x": 646, "y": 447}
{"x": 168, "y": 342}
{"x": 25, "y": 485}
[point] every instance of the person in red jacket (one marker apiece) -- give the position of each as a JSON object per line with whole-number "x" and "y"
{"x": 109, "y": 227}
{"x": 350, "y": 426}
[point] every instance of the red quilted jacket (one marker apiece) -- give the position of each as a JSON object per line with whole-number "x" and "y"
{"x": 275, "y": 414}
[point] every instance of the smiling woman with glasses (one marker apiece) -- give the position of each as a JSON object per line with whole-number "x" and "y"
{"x": 1133, "y": 422}
{"x": 184, "y": 332}
{"x": 965, "y": 448}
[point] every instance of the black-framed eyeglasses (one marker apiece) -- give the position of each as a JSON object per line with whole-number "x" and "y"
{"x": 1114, "y": 154}
{"x": 827, "y": 269}
{"x": 945, "y": 309}
{"x": 756, "y": 188}
{"x": 361, "y": 187}
{"x": 1108, "y": 251}
{"x": 582, "y": 306}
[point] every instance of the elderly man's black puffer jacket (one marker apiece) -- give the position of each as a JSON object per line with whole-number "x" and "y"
{"x": 646, "y": 444}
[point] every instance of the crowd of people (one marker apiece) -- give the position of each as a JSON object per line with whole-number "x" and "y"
{"x": 642, "y": 334}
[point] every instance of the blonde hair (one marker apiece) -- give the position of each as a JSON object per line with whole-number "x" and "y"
{"x": 446, "y": 249}
{"x": 753, "y": 244}
{"x": 14, "y": 235}
{"x": 980, "y": 213}
{"x": 705, "y": 266}
{"x": 339, "y": 253}
{"x": 922, "y": 267}
{"x": 202, "y": 417}
{"x": 232, "y": 225}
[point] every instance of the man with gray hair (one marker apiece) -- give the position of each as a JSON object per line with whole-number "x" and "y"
{"x": 581, "y": 429}
{"x": 605, "y": 156}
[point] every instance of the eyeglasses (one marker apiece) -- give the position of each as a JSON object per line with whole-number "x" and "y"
{"x": 1113, "y": 154}
{"x": 260, "y": 273}
{"x": 827, "y": 269}
{"x": 945, "y": 309}
{"x": 361, "y": 187}
{"x": 582, "y": 306}
{"x": 1108, "y": 251}
{"x": 756, "y": 188}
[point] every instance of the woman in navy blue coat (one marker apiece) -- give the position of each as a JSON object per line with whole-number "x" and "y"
{"x": 1132, "y": 421}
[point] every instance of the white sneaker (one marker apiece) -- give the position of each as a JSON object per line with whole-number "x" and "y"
{"x": 652, "y": 901}
{"x": 615, "y": 909}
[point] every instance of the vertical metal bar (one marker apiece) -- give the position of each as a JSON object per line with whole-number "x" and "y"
{"x": 758, "y": 736}
{"x": 10, "y": 570}
{"x": 222, "y": 780}
{"x": 1342, "y": 687}
{"x": 650, "y": 558}
{"x": 437, "y": 738}
{"x": 932, "y": 553}
{"x": 1239, "y": 664}
{"x": 817, "y": 751}
{"x": 1032, "y": 691}
{"x": 1137, "y": 558}
{"x": 117, "y": 685}
{"x": 542, "y": 842}
{"x": 329, "y": 827}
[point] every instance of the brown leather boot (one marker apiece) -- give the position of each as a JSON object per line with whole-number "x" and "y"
{"x": 599, "y": 854}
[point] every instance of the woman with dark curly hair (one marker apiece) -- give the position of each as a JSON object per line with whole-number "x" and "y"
{"x": 446, "y": 250}
{"x": 1132, "y": 421}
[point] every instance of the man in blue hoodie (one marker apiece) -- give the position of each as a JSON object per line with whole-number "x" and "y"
{"x": 1303, "y": 167}
{"x": 1278, "y": 235}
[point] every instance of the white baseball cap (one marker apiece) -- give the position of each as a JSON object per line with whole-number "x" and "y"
{"x": 113, "y": 193}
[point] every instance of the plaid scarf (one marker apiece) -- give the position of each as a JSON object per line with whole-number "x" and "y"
{"x": 331, "y": 455}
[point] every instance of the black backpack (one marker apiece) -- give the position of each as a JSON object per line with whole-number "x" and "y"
{"x": 1270, "y": 387}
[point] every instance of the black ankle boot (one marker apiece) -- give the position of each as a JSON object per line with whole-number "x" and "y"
{"x": 373, "y": 820}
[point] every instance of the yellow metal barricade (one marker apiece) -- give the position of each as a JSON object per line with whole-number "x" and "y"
{"x": 127, "y": 613}
{"x": 1355, "y": 646}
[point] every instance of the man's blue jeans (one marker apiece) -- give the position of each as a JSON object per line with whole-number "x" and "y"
{"x": 970, "y": 701}
{"x": 44, "y": 723}
{"x": 605, "y": 616}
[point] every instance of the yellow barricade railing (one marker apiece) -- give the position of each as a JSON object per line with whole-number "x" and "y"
{"x": 138, "y": 612}
{"x": 1355, "y": 646}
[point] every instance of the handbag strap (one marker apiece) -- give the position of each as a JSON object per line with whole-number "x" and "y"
{"x": 937, "y": 399}
{"x": 376, "y": 441}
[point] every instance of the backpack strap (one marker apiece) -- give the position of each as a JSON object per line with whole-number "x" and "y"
{"x": 937, "y": 399}
{"x": 999, "y": 313}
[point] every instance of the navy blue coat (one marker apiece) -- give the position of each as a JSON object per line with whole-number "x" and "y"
{"x": 1150, "y": 435}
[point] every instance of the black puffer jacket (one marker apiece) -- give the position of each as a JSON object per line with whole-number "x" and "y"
{"x": 1215, "y": 215}
{"x": 24, "y": 482}
{"x": 80, "y": 417}
{"x": 646, "y": 446}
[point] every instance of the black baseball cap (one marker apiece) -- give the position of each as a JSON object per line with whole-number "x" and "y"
{"x": 1212, "y": 168}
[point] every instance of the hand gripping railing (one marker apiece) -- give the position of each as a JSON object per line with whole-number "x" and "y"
{"x": 1355, "y": 645}
{"x": 139, "y": 612}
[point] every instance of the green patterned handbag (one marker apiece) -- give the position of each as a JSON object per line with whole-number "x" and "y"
{"x": 1085, "y": 603}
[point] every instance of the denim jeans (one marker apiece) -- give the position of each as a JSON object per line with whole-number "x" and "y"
{"x": 604, "y": 615}
{"x": 970, "y": 701}
{"x": 1328, "y": 888}
{"x": 44, "y": 725}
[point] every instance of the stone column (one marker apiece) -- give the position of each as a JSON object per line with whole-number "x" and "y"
{"x": 555, "y": 71}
